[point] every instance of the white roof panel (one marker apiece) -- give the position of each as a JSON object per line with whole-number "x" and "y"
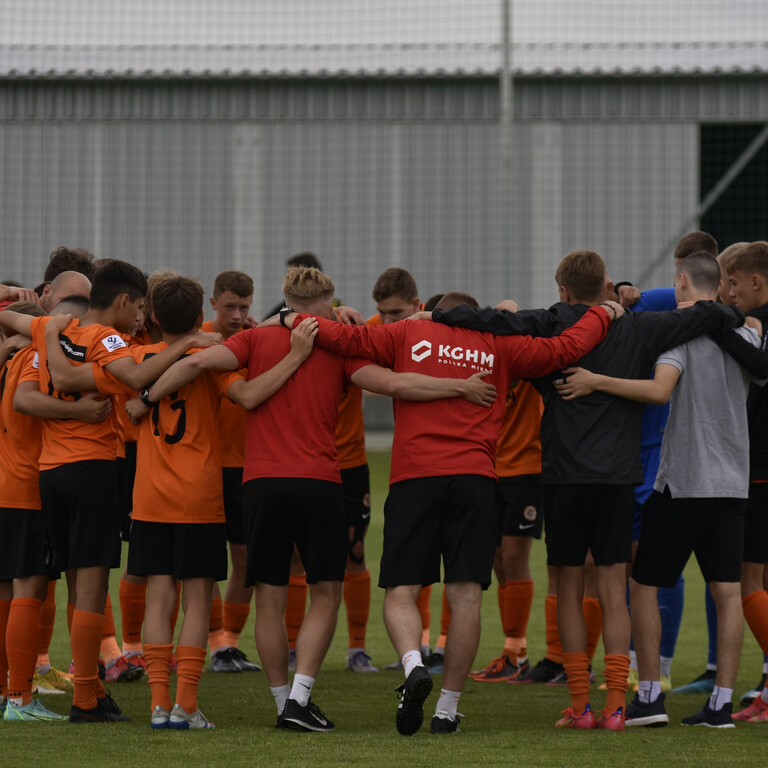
{"x": 386, "y": 37}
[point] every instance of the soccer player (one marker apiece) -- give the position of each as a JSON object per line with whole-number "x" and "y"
{"x": 699, "y": 496}
{"x": 590, "y": 464}
{"x": 24, "y": 572}
{"x": 231, "y": 301}
{"x": 442, "y": 487}
{"x": 292, "y": 491}
{"x": 178, "y": 522}
{"x": 77, "y": 462}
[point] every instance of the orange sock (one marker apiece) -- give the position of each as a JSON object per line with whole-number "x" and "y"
{"x": 158, "y": 660}
{"x": 216, "y": 637}
{"x": 616, "y": 673}
{"x": 234, "y": 617}
{"x": 21, "y": 647}
{"x": 133, "y": 606}
{"x": 47, "y": 620}
{"x": 296, "y": 607}
{"x": 190, "y": 660}
{"x": 593, "y": 618}
{"x": 85, "y": 639}
{"x": 554, "y": 646}
{"x": 577, "y": 668}
{"x": 756, "y": 613}
{"x": 110, "y": 650}
{"x": 357, "y": 599}
{"x": 518, "y": 599}
{"x": 422, "y": 603}
{"x": 5, "y": 609}
{"x": 175, "y": 614}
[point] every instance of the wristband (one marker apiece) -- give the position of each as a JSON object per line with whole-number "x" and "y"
{"x": 283, "y": 312}
{"x": 613, "y": 311}
{"x": 144, "y": 397}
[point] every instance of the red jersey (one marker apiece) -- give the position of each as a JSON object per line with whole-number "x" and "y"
{"x": 518, "y": 450}
{"x": 66, "y": 441}
{"x": 454, "y": 436}
{"x": 20, "y": 441}
{"x": 293, "y": 433}
{"x": 231, "y": 425}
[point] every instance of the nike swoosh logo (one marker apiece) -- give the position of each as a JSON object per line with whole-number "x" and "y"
{"x": 523, "y": 527}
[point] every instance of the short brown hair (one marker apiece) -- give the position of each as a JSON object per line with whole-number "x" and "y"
{"x": 696, "y": 242}
{"x": 177, "y": 304}
{"x": 65, "y": 259}
{"x": 752, "y": 258}
{"x": 583, "y": 273}
{"x": 726, "y": 257}
{"x": 233, "y": 281}
{"x": 26, "y": 308}
{"x": 152, "y": 282}
{"x": 456, "y": 299}
{"x": 703, "y": 270}
{"x": 306, "y": 284}
{"x": 395, "y": 282}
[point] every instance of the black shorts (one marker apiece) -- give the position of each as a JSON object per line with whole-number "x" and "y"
{"x": 80, "y": 508}
{"x": 232, "y": 482}
{"x": 356, "y": 484}
{"x": 519, "y": 500}
{"x": 126, "y": 471}
{"x": 756, "y": 524}
{"x": 593, "y": 516}
{"x": 673, "y": 529}
{"x": 24, "y": 550}
{"x": 282, "y": 511}
{"x": 181, "y": 550}
{"x": 428, "y": 517}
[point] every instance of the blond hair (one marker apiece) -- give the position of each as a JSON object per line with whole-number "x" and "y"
{"x": 304, "y": 285}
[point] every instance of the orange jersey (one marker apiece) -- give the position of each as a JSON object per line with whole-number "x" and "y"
{"x": 231, "y": 424}
{"x": 350, "y": 428}
{"x": 66, "y": 441}
{"x": 518, "y": 450}
{"x": 178, "y": 464}
{"x": 20, "y": 441}
{"x": 126, "y": 432}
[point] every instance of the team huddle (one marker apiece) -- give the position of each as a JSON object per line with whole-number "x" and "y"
{"x": 126, "y": 416}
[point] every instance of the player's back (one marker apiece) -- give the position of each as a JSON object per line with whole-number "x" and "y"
{"x": 705, "y": 450}
{"x": 292, "y": 434}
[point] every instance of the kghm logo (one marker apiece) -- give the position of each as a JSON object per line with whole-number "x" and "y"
{"x": 421, "y": 350}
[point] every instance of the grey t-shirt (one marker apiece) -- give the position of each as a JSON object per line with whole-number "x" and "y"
{"x": 705, "y": 450}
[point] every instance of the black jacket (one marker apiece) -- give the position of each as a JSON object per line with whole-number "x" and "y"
{"x": 756, "y": 362}
{"x": 596, "y": 439}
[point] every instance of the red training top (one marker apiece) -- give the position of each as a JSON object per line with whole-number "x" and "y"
{"x": 453, "y": 436}
{"x": 293, "y": 433}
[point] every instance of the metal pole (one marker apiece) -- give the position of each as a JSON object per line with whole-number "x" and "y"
{"x": 507, "y": 271}
{"x": 741, "y": 162}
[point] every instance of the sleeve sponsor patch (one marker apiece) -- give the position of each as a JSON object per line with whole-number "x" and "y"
{"x": 113, "y": 342}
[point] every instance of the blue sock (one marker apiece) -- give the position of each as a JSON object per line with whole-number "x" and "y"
{"x": 671, "y": 609}
{"x": 711, "y": 629}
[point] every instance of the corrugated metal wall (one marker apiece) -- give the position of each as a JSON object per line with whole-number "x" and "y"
{"x": 204, "y": 176}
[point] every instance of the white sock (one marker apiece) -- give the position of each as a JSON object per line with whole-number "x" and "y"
{"x": 439, "y": 651}
{"x": 765, "y": 667}
{"x": 711, "y": 667}
{"x": 411, "y": 660}
{"x": 720, "y": 697}
{"x": 302, "y": 689}
{"x": 633, "y": 660}
{"x": 43, "y": 669}
{"x": 665, "y": 665}
{"x": 281, "y": 694}
{"x": 448, "y": 702}
{"x": 648, "y": 691}
{"x": 353, "y": 651}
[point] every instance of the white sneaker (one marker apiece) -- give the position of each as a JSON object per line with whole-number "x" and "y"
{"x": 160, "y": 717}
{"x": 180, "y": 720}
